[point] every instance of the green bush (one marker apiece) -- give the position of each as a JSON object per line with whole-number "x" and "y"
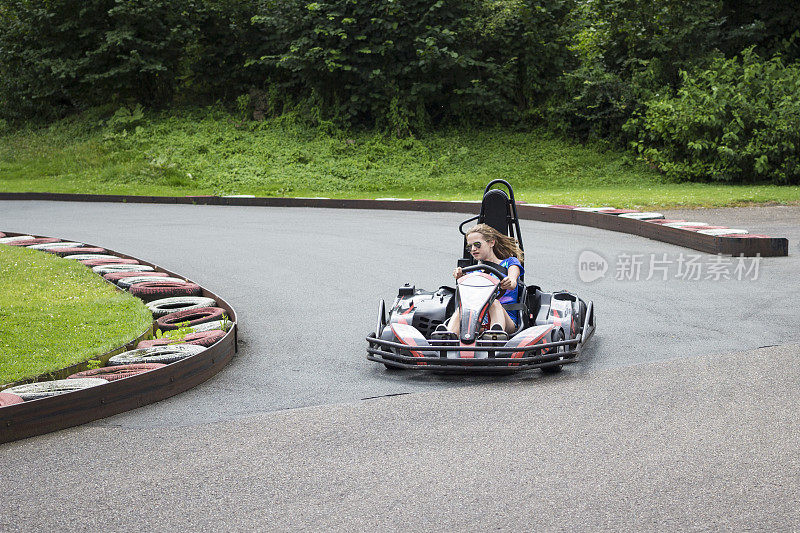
{"x": 625, "y": 51}
{"x": 59, "y": 56}
{"x": 400, "y": 64}
{"x": 735, "y": 121}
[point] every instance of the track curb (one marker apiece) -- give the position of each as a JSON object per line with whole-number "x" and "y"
{"x": 609, "y": 219}
{"x": 45, "y": 415}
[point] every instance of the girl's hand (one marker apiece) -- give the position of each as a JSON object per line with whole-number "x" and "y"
{"x": 508, "y": 284}
{"x": 457, "y": 273}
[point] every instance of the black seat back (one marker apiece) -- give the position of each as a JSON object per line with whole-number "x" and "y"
{"x": 495, "y": 211}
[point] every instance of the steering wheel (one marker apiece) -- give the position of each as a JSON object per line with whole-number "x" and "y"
{"x": 488, "y": 268}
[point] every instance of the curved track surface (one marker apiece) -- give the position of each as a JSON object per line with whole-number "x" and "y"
{"x": 640, "y": 433}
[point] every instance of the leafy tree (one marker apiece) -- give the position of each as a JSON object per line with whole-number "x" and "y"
{"x": 402, "y": 63}
{"x": 57, "y": 56}
{"x": 734, "y": 121}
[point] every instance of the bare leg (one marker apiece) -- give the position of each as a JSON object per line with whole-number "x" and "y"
{"x": 498, "y": 315}
{"x": 454, "y": 324}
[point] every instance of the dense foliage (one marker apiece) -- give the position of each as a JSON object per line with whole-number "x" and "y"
{"x": 733, "y": 121}
{"x": 60, "y": 55}
{"x": 591, "y": 69}
{"x": 404, "y": 63}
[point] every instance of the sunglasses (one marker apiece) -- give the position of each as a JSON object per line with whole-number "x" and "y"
{"x": 476, "y": 244}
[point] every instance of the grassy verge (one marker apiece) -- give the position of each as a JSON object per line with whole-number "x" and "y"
{"x": 56, "y": 312}
{"x": 211, "y": 152}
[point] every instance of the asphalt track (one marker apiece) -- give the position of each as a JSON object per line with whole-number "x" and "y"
{"x": 675, "y": 418}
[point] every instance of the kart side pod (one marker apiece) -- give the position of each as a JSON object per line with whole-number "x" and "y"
{"x": 528, "y": 337}
{"x": 410, "y": 336}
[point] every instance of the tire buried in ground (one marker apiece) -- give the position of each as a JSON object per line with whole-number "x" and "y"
{"x": 222, "y": 325}
{"x": 6, "y": 240}
{"x": 115, "y": 277}
{"x": 8, "y": 398}
{"x": 109, "y": 261}
{"x": 58, "y": 244}
{"x": 78, "y": 251}
{"x": 157, "y": 354}
{"x": 33, "y": 242}
{"x": 45, "y": 389}
{"x": 200, "y": 338}
{"x": 149, "y": 291}
{"x": 121, "y": 267}
{"x": 113, "y": 373}
{"x": 166, "y": 306}
{"x": 130, "y": 281}
{"x": 192, "y": 316}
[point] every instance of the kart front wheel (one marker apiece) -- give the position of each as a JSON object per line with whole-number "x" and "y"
{"x": 555, "y": 369}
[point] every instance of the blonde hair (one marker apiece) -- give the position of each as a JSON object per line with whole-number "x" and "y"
{"x": 504, "y": 246}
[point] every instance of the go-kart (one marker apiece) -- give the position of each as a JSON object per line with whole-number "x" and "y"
{"x": 553, "y": 326}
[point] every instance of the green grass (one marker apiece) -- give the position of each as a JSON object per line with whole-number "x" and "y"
{"x": 56, "y": 312}
{"x": 211, "y": 152}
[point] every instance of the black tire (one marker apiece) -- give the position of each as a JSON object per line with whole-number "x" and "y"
{"x": 7, "y": 398}
{"x": 201, "y": 338}
{"x": 119, "y": 267}
{"x": 60, "y": 244}
{"x": 6, "y": 240}
{"x": 159, "y": 354}
{"x": 192, "y": 316}
{"x": 114, "y": 373}
{"x": 45, "y": 389}
{"x": 114, "y": 277}
{"x": 555, "y": 369}
{"x": 166, "y": 306}
{"x": 389, "y": 368}
{"x": 149, "y": 291}
{"x": 224, "y": 325}
{"x": 128, "y": 281}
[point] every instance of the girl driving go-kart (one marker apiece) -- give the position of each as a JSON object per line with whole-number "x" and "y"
{"x": 492, "y": 248}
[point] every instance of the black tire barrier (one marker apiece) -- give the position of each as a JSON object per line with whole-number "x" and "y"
{"x": 113, "y": 373}
{"x": 166, "y": 306}
{"x": 201, "y": 338}
{"x": 121, "y": 267}
{"x": 45, "y": 389}
{"x": 28, "y": 418}
{"x": 7, "y": 398}
{"x": 149, "y": 291}
{"x": 114, "y": 277}
{"x": 157, "y": 354}
{"x": 192, "y": 316}
{"x": 127, "y": 283}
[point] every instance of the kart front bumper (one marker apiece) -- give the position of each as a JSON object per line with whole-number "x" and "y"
{"x": 487, "y": 358}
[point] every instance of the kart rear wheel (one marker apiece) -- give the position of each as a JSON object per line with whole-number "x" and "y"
{"x": 582, "y": 313}
{"x": 555, "y": 369}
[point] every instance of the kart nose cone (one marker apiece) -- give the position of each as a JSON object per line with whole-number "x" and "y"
{"x": 466, "y": 338}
